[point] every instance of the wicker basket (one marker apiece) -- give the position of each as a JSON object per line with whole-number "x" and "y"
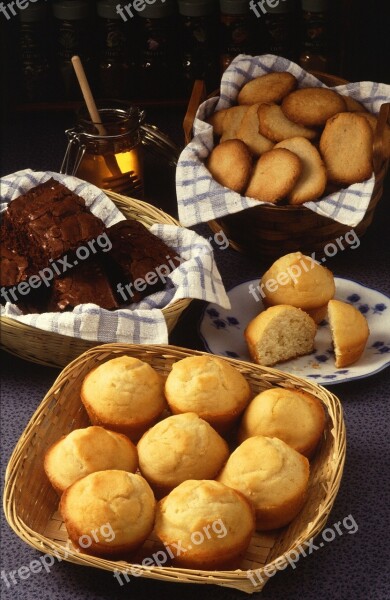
{"x": 31, "y": 505}
{"x": 56, "y": 350}
{"x": 269, "y": 230}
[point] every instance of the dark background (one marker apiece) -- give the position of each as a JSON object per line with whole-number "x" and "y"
{"x": 359, "y": 44}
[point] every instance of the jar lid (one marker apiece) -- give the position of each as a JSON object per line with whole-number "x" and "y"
{"x": 71, "y": 9}
{"x": 315, "y": 5}
{"x": 196, "y": 8}
{"x": 234, "y": 7}
{"x": 33, "y": 13}
{"x": 154, "y": 9}
{"x": 107, "y": 9}
{"x": 279, "y": 6}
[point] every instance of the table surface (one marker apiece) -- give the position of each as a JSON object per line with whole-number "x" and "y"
{"x": 353, "y": 566}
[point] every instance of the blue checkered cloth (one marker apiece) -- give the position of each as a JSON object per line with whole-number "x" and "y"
{"x": 202, "y": 199}
{"x": 141, "y": 323}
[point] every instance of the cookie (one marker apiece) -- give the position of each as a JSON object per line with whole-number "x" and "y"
{"x": 230, "y": 164}
{"x": 274, "y": 124}
{"x": 248, "y": 132}
{"x": 346, "y": 147}
{"x": 352, "y": 104}
{"x": 373, "y": 121}
{"x": 312, "y": 181}
{"x": 267, "y": 88}
{"x": 232, "y": 122}
{"x": 370, "y": 118}
{"x": 216, "y": 120}
{"x": 312, "y": 107}
{"x": 274, "y": 176}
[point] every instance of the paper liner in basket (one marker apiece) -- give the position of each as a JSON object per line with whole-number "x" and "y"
{"x": 202, "y": 199}
{"x": 141, "y": 323}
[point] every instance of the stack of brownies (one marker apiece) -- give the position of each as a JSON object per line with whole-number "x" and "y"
{"x": 53, "y": 256}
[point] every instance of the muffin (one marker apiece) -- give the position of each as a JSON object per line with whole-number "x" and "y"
{"x": 349, "y": 330}
{"x": 299, "y": 281}
{"x": 280, "y": 333}
{"x": 124, "y": 394}
{"x": 210, "y": 387}
{"x": 84, "y": 451}
{"x": 178, "y": 448}
{"x": 206, "y": 525}
{"x": 297, "y": 418}
{"x": 108, "y": 513}
{"x": 272, "y": 475}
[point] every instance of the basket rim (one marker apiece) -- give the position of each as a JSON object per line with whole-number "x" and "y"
{"x": 236, "y": 578}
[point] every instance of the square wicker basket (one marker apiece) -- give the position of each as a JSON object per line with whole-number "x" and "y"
{"x": 31, "y": 505}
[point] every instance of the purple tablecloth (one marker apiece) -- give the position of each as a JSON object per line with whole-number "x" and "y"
{"x": 352, "y": 566}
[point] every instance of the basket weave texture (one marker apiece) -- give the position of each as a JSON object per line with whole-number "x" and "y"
{"x": 31, "y": 505}
{"x": 270, "y": 231}
{"x": 56, "y": 350}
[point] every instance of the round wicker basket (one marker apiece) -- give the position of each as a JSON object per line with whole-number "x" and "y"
{"x": 271, "y": 231}
{"x": 31, "y": 505}
{"x": 56, "y": 350}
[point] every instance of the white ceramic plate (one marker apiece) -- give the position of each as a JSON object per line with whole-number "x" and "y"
{"x": 222, "y": 332}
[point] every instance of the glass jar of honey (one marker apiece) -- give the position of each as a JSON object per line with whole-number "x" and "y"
{"x": 108, "y": 154}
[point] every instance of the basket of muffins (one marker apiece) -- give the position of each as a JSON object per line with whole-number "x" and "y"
{"x": 291, "y": 163}
{"x": 79, "y": 268}
{"x": 212, "y": 470}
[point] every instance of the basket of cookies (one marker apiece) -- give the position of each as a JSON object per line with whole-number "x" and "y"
{"x": 178, "y": 494}
{"x": 80, "y": 267}
{"x": 282, "y": 159}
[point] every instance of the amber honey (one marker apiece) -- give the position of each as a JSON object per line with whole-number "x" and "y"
{"x": 94, "y": 167}
{"x": 108, "y": 154}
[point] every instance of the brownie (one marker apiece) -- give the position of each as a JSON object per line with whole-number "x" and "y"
{"x": 14, "y": 268}
{"x": 50, "y": 221}
{"x": 81, "y": 285}
{"x": 136, "y": 253}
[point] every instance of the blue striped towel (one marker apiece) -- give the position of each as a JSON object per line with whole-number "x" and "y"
{"x": 141, "y": 323}
{"x": 201, "y": 199}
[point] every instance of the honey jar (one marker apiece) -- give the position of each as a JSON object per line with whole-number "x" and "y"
{"x": 108, "y": 154}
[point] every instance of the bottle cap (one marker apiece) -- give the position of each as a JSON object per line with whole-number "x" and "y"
{"x": 279, "y": 6}
{"x": 33, "y": 13}
{"x": 155, "y": 9}
{"x": 71, "y": 10}
{"x": 234, "y": 7}
{"x": 107, "y": 9}
{"x": 196, "y": 8}
{"x": 315, "y": 5}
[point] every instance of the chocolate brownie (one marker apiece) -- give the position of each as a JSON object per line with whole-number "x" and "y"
{"x": 135, "y": 254}
{"x": 82, "y": 284}
{"x": 14, "y": 268}
{"x": 51, "y": 220}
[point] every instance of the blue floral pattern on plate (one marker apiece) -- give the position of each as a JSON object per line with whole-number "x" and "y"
{"x": 223, "y": 333}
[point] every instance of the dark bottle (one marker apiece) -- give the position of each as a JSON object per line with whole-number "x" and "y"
{"x": 235, "y": 31}
{"x": 198, "y": 20}
{"x": 157, "y": 50}
{"x": 281, "y": 27}
{"x": 315, "y": 47}
{"x": 71, "y": 37}
{"x": 34, "y": 53}
{"x": 115, "y": 72}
